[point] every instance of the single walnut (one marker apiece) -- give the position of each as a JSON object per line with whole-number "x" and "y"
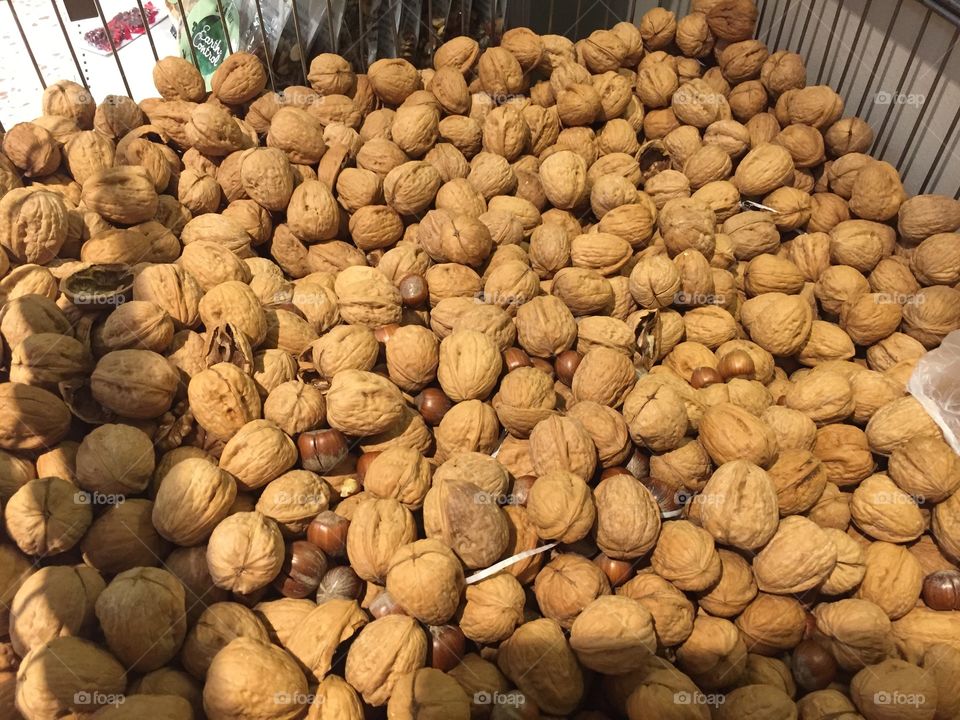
{"x": 433, "y": 602}
{"x": 685, "y": 555}
{"x": 245, "y": 552}
{"x": 797, "y": 558}
{"x": 362, "y": 403}
{"x": 628, "y": 517}
{"x": 739, "y": 484}
{"x": 47, "y": 516}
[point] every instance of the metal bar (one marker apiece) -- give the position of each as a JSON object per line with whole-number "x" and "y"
{"x": 880, "y": 54}
{"x": 783, "y": 24}
{"x": 550, "y": 21}
{"x": 226, "y": 30}
{"x": 823, "y": 59}
{"x": 631, "y": 10}
{"x": 806, "y": 24}
{"x": 23, "y": 36}
{"x": 946, "y": 140}
{"x": 949, "y": 10}
{"x": 146, "y": 27}
{"x": 763, "y": 12}
{"x": 853, "y": 47}
{"x": 775, "y": 6}
{"x": 903, "y": 79}
{"x": 266, "y": 47}
{"x": 576, "y": 27}
{"x": 333, "y": 39}
{"x": 66, "y": 37}
{"x": 186, "y": 27}
{"x": 113, "y": 47}
{"x": 926, "y": 105}
{"x": 300, "y": 48}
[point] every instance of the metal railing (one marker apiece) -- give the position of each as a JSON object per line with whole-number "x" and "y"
{"x": 893, "y": 61}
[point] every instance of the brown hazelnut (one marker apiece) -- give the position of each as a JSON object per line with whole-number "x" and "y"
{"x": 447, "y": 647}
{"x": 705, "y": 376}
{"x": 814, "y": 668}
{"x": 543, "y": 366}
{"x": 669, "y": 498}
{"x": 364, "y": 462}
{"x": 385, "y": 332}
{"x": 321, "y": 450}
{"x": 514, "y": 358}
{"x": 340, "y": 583}
{"x": 384, "y": 604}
{"x": 566, "y": 365}
{"x": 432, "y": 404}
{"x": 941, "y": 590}
{"x": 413, "y": 290}
{"x": 328, "y": 531}
{"x": 304, "y": 564}
{"x": 521, "y": 489}
{"x": 737, "y": 363}
{"x": 617, "y": 571}
{"x": 615, "y": 470}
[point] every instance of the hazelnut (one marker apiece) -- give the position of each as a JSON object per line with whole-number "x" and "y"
{"x": 814, "y": 668}
{"x": 736, "y": 363}
{"x": 705, "y": 376}
{"x": 321, "y": 450}
{"x": 304, "y": 564}
{"x": 413, "y": 290}
{"x": 447, "y": 647}
{"x": 328, "y": 531}
{"x": 941, "y": 590}
{"x": 384, "y": 604}
{"x": 544, "y": 366}
{"x": 514, "y": 358}
{"x": 617, "y": 571}
{"x": 432, "y": 404}
{"x": 340, "y": 583}
{"x": 566, "y": 366}
{"x": 364, "y": 462}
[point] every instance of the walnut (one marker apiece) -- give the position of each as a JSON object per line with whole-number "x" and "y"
{"x": 713, "y": 653}
{"x": 685, "y": 555}
{"x": 47, "y": 516}
{"x": 739, "y": 484}
{"x": 468, "y": 520}
{"x": 797, "y": 558}
{"x": 245, "y": 552}
{"x": 628, "y": 517}
{"x": 432, "y": 602}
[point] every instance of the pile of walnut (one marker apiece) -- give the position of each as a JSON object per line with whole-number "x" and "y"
{"x": 283, "y": 371}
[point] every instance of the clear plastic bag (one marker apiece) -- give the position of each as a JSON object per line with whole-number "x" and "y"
{"x": 935, "y": 383}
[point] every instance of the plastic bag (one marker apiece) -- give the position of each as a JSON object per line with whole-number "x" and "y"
{"x": 935, "y": 385}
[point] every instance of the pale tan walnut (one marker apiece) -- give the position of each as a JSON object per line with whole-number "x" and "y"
{"x": 362, "y": 403}
{"x": 799, "y": 477}
{"x": 850, "y": 567}
{"x": 178, "y": 79}
{"x": 605, "y": 376}
{"x": 152, "y": 601}
{"x": 685, "y": 555}
{"x": 797, "y": 558}
{"x": 217, "y": 626}
{"x": 614, "y": 634}
{"x": 845, "y": 452}
{"x": 267, "y": 177}
{"x": 671, "y": 610}
{"x": 714, "y": 654}
{"x": 137, "y": 384}
{"x": 772, "y": 624}
{"x": 871, "y": 687}
{"x": 500, "y": 73}
{"x": 925, "y": 466}
{"x": 816, "y": 105}
{"x": 413, "y": 356}
{"x": 656, "y": 416}
{"x": 193, "y": 497}
{"x": 411, "y": 187}
{"x": 870, "y": 318}
{"x": 245, "y": 552}
{"x": 827, "y": 342}
{"x": 32, "y": 149}
{"x": 426, "y": 693}
{"x": 728, "y": 432}
{"x": 136, "y": 324}
{"x": 654, "y": 281}
{"x": 526, "y": 396}
{"x": 826, "y": 211}
{"x": 921, "y": 216}
{"x": 426, "y": 579}
{"x": 468, "y": 520}
{"x": 236, "y": 686}
{"x": 562, "y": 443}
{"x": 877, "y": 192}
{"x": 657, "y": 28}
{"x": 123, "y": 195}
{"x": 401, "y": 473}
{"x": 298, "y": 133}
{"x": 493, "y": 609}
{"x": 779, "y": 323}
{"x": 566, "y": 585}
{"x": 743, "y": 60}
{"x": 919, "y": 630}
{"x": 469, "y": 365}
{"x": 294, "y": 499}
{"x": 367, "y": 297}
{"x": 332, "y": 75}
{"x": 70, "y": 100}
{"x": 932, "y": 314}
{"x": 54, "y": 679}
{"x": 628, "y": 517}
{"x": 378, "y": 528}
{"x": 384, "y": 651}
{"x": 223, "y": 399}
{"x": 892, "y": 579}
{"x": 824, "y": 396}
{"x": 738, "y": 505}
{"x": 115, "y": 459}
{"x": 735, "y": 590}
{"x": 47, "y": 516}
{"x": 884, "y": 511}
{"x": 935, "y": 260}
{"x": 545, "y": 326}
{"x": 763, "y": 169}
{"x": 563, "y": 176}
{"x": 897, "y": 422}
